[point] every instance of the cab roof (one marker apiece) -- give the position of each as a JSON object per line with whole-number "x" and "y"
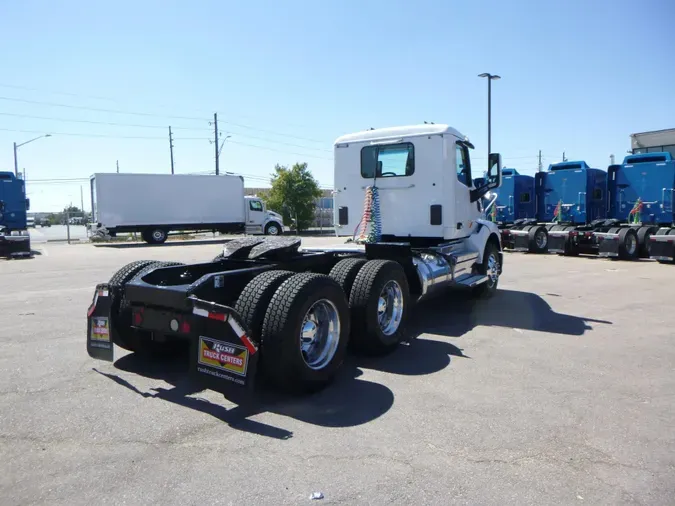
{"x": 381, "y": 134}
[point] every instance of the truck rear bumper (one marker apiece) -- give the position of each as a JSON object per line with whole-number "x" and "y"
{"x": 14, "y": 246}
{"x": 519, "y": 240}
{"x": 221, "y": 354}
{"x": 558, "y": 241}
{"x": 608, "y": 244}
{"x": 662, "y": 247}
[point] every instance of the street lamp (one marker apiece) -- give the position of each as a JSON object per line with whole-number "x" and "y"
{"x": 490, "y": 77}
{"x": 16, "y": 146}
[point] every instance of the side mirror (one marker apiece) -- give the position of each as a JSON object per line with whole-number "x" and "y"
{"x": 492, "y": 179}
{"x": 27, "y": 204}
{"x": 494, "y": 174}
{"x": 2, "y": 205}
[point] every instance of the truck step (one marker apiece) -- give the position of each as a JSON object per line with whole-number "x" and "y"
{"x": 472, "y": 280}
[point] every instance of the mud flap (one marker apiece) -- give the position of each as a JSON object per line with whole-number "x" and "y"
{"x": 221, "y": 353}
{"x": 557, "y": 241}
{"x": 608, "y": 244}
{"x": 99, "y": 329}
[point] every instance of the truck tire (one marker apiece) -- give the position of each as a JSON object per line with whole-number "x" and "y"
{"x": 155, "y": 235}
{"x": 379, "y": 301}
{"x": 538, "y": 239}
{"x": 571, "y": 249}
{"x": 117, "y": 282}
{"x": 305, "y": 333}
{"x": 132, "y": 339}
{"x": 643, "y": 235}
{"x": 628, "y": 244}
{"x": 345, "y": 271}
{"x": 255, "y": 298}
{"x": 273, "y": 228}
{"x": 489, "y": 267}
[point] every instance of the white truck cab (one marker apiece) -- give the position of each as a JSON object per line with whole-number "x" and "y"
{"x": 414, "y": 185}
{"x": 259, "y": 220}
{"x": 423, "y": 175}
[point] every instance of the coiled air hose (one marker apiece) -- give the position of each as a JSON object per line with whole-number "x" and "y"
{"x": 371, "y": 220}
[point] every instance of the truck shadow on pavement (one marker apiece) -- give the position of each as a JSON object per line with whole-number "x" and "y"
{"x": 507, "y": 309}
{"x": 352, "y": 400}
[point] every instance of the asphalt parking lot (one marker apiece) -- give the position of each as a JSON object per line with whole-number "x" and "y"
{"x": 560, "y": 390}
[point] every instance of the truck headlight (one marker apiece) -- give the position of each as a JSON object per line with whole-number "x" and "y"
{"x": 18, "y": 232}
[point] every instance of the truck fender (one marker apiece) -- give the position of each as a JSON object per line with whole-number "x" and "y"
{"x": 485, "y": 232}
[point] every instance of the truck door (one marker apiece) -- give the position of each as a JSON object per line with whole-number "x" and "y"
{"x": 465, "y": 212}
{"x": 255, "y": 216}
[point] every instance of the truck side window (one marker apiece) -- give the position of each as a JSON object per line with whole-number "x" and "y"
{"x": 397, "y": 160}
{"x": 525, "y": 197}
{"x": 255, "y": 205}
{"x": 597, "y": 194}
{"x": 463, "y": 167}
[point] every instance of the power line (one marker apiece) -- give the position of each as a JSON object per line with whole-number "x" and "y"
{"x": 99, "y": 109}
{"x": 92, "y": 122}
{"x": 108, "y": 136}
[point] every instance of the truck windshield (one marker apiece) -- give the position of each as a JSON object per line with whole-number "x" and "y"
{"x": 396, "y": 160}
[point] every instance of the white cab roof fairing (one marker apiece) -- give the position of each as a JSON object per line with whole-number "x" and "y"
{"x": 384, "y": 134}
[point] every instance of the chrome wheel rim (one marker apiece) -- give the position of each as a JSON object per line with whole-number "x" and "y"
{"x": 541, "y": 239}
{"x": 158, "y": 235}
{"x": 492, "y": 269}
{"x": 631, "y": 244}
{"x": 390, "y": 308}
{"x": 320, "y": 334}
{"x": 272, "y": 230}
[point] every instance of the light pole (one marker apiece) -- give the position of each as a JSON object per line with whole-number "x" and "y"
{"x": 16, "y": 146}
{"x": 490, "y": 77}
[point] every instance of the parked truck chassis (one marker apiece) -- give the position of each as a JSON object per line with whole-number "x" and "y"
{"x": 266, "y": 304}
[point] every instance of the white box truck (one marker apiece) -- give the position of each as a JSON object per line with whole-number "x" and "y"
{"x": 155, "y": 205}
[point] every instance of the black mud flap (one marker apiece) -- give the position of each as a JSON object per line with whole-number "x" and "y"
{"x": 557, "y": 243}
{"x": 221, "y": 353}
{"x": 99, "y": 329}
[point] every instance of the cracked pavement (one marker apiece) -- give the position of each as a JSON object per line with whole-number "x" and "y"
{"x": 560, "y": 390}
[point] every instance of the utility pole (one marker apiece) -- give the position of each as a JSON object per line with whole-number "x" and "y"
{"x": 215, "y": 129}
{"x": 490, "y": 77}
{"x": 82, "y": 201}
{"x": 540, "y": 166}
{"x": 16, "y": 165}
{"x": 171, "y": 148}
{"x": 118, "y": 166}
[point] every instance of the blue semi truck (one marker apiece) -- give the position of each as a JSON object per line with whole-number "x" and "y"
{"x": 14, "y": 205}
{"x": 640, "y": 214}
{"x": 566, "y": 196}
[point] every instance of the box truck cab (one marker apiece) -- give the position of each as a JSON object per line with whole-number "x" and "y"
{"x": 259, "y": 220}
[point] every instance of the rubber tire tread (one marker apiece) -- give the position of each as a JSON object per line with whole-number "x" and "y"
{"x": 368, "y": 338}
{"x": 127, "y": 272}
{"x": 281, "y": 361}
{"x": 623, "y": 252}
{"x": 345, "y": 272}
{"x": 124, "y": 313}
{"x": 484, "y": 291}
{"x": 117, "y": 282}
{"x": 255, "y": 298}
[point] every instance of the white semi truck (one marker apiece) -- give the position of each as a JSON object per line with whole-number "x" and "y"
{"x": 406, "y": 202}
{"x": 154, "y": 205}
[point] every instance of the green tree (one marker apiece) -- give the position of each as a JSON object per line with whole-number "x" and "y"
{"x": 293, "y": 194}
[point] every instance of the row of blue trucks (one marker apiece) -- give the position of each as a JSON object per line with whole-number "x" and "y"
{"x": 14, "y": 206}
{"x": 625, "y": 212}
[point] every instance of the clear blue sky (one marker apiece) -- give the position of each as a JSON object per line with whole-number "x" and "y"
{"x": 289, "y": 77}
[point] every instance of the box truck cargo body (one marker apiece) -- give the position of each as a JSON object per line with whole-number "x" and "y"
{"x": 157, "y": 204}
